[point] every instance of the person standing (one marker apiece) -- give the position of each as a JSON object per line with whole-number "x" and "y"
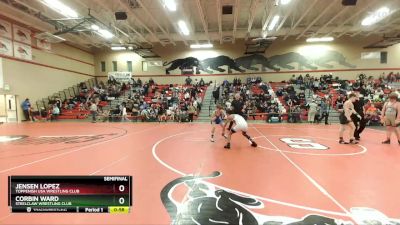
{"x": 238, "y": 105}
{"x": 124, "y": 113}
{"x": 391, "y": 118}
{"x": 26, "y": 107}
{"x": 312, "y": 111}
{"x": 55, "y": 112}
{"x": 93, "y": 111}
{"x": 359, "y": 122}
{"x": 215, "y": 94}
{"x": 345, "y": 120}
{"x": 188, "y": 81}
{"x": 325, "y": 107}
{"x": 191, "y": 112}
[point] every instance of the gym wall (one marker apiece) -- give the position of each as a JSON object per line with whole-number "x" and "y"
{"x": 349, "y": 48}
{"x": 47, "y": 73}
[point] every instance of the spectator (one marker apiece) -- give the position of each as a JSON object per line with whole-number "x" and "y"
{"x": 201, "y": 83}
{"x": 124, "y": 114}
{"x": 162, "y": 114}
{"x": 139, "y": 82}
{"x": 215, "y": 94}
{"x": 324, "y": 111}
{"x": 313, "y": 109}
{"x": 294, "y": 114}
{"x": 238, "y": 105}
{"x": 55, "y": 112}
{"x": 93, "y": 111}
{"x": 339, "y": 103}
{"x": 26, "y": 107}
{"x": 191, "y": 112}
{"x": 188, "y": 81}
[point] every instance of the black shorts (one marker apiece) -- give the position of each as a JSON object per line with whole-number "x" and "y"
{"x": 343, "y": 119}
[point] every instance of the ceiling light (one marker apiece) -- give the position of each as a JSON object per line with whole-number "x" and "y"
{"x": 130, "y": 48}
{"x": 375, "y": 17}
{"x": 273, "y": 23}
{"x": 202, "y": 46}
{"x": 118, "y": 48}
{"x": 95, "y": 27}
{"x": 170, "y": 4}
{"x": 61, "y": 8}
{"x": 321, "y": 39}
{"x": 184, "y": 29}
{"x": 285, "y": 2}
{"x": 105, "y": 34}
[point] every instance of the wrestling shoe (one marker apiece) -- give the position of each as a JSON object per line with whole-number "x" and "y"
{"x": 353, "y": 141}
{"x": 212, "y": 140}
{"x": 253, "y": 144}
{"x": 342, "y": 142}
{"x": 386, "y": 142}
{"x": 227, "y": 146}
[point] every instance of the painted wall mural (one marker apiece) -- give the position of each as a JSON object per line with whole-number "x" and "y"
{"x": 216, "y": 63}
{"x": 208, "y": 204}
{"x": 287, "y": 61}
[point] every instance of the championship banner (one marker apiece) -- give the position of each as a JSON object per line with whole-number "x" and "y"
{"x": 22, "y": 34}
{"x": 121, "y": 77}
{"x": 6, "y": 47}
{"x": 5, "y": 29}
{"x": 43, "y": 44}
{"x": 22, "y": 51}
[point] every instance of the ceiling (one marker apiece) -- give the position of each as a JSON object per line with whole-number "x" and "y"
{"x": 150, "y": 22}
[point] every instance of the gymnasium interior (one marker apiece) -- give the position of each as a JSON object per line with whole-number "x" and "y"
{"x": 156, "y": 112}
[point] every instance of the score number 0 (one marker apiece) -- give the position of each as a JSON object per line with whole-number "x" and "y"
{"x": 121, "y": 200}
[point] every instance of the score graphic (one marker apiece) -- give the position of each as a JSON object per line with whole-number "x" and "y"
{"x": 70, "y": 194}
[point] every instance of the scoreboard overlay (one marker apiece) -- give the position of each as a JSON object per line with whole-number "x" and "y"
{"x": 70, "y": 194}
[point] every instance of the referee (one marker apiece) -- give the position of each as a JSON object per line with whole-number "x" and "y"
{"x": 238, "y": 106}
{"x": 360, "y": 123}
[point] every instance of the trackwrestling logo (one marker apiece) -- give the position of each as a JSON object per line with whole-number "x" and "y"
{"x": 73, "y": 139}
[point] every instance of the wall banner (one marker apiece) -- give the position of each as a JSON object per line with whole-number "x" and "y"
{"x": 121, "y": 77}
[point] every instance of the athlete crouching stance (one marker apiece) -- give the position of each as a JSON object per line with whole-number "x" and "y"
{"x": 217, "y": 119}
{"x": 345, "y": 120}
{"x": 236, "y": 123}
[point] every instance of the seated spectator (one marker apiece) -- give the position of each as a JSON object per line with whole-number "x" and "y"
{"x": 371, "y": 111}
{"x": 293, "y": 79}
{"x": 273, "y": 112}
{"x": 294, "y": 114}
{"x": 162, "y": 114}
{"x": 201, "y": 83}
{"x": 302, "y": 95}
{"x": 339, "y": 103}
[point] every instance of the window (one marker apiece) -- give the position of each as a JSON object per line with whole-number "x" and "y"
{"x": 144, "y": 66}
{"x": 103, "y": 66}
{"x": 129, "y": 65}
{"x": 115, "y": 68}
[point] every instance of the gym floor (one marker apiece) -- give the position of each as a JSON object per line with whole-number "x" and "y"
{"x": 297, "y": 172}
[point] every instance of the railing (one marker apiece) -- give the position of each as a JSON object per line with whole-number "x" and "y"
{"x": 65, "y": 94}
